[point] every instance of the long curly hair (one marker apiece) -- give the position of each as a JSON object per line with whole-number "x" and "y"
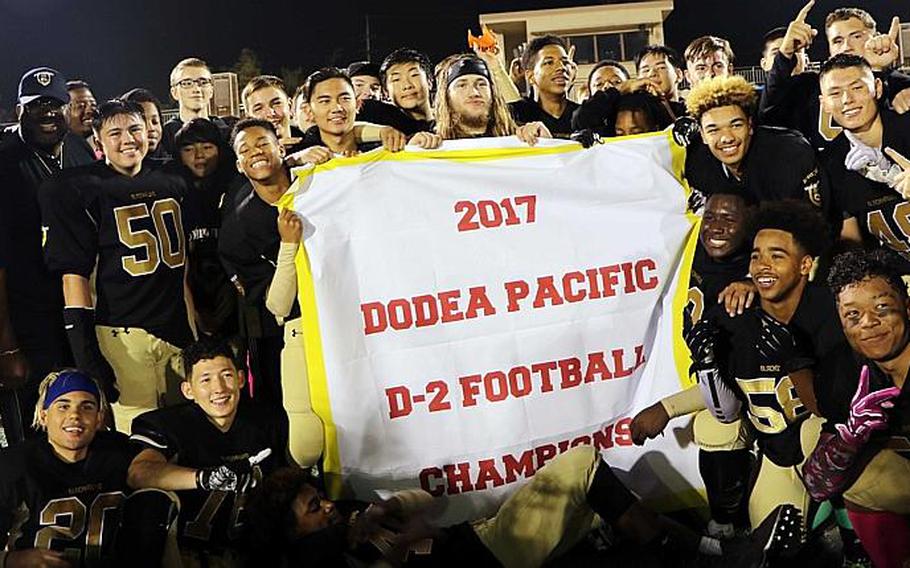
{"x": 448, "y": 122}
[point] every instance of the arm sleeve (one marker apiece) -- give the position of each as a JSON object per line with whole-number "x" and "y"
{"x": 779, "y": 87}
{"x": 71, "y": 234}
{"x": 684, "y": 402}
{"x": 828, "y": 470}
{"x": 150, "y": 432}
{"x": 283, "y": 289}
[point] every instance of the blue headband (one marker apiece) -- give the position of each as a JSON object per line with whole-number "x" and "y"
{"x": 70, "y": 381}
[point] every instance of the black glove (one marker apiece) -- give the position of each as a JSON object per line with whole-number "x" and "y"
{"x": 702, "y": 340}
{"x": 230, "y": 476}
{"x": 586, "y": 137}
{"x": 775, "y": 338}
{"x": 80, "y": 330}
{"x": 685, "y": 130}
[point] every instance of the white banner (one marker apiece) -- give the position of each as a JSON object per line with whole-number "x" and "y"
{"x": 473, "y": 311}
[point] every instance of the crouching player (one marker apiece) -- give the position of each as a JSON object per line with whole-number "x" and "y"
{"x": 62, "y": 494}
{"x": 211, "y": 451}
{"x": 865, "y": 449}
{"x": 753, "y": 366}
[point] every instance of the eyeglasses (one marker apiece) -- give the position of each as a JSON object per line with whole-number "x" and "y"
{"x": 190, "y": 83}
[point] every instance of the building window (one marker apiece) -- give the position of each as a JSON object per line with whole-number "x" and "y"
{"x": 620, "y": 46}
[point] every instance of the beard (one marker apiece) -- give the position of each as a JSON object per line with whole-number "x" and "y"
{"x": 473, "y": 121}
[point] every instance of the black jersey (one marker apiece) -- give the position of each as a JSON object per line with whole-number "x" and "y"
{"x": 881, "y": 211}
{"x": 70, "y": 507}
{"x": 248, "y": 243}
{"x": 526, "y": 110}
{"x": 211, "y": 520}
{"x": 779, "y": 164}
{"x": 709, "y": 277}
{"x": 792, "y": 100}
{"x": 134, "y": 227}
{"x": 761, "y": 378}
{"x": 378, "y": 112}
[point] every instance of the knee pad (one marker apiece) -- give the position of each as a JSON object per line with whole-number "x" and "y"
{"x": 712, "y": 436}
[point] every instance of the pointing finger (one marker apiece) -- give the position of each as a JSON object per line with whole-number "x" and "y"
{"x": 895, "y": 31}
{"x": 901, "y": 161}
{"x": 801, "y": 16}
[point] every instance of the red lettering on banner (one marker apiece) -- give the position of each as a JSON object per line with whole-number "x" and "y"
{"x": 425, "y": 310}
{"x": 524, "y": 465}
{"x": 469, "y": 389}
{"x": 597, "y": 365}
{"x": 546, "y": 385}
{"x": 570, "y": 369}
{"x": 448, "y": 303}
{"x": 430, "y": 481}
{"x": 488, "y": 473}
{"x": 546, "y": 291}
{"x": 460, "y": 481}
{"x": 399, "y": 401}
{"x": 517, "y": 290}
{"x": 479, "y": 301}
{"x": 491, "y": 472}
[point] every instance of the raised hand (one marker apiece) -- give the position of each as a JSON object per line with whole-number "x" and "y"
{"x": 867, "y": 412}
{"x": 799, "y": 34}
{"x": 882, "y": 50}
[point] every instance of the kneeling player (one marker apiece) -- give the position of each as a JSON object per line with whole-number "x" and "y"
{"x": 61, "y": 494}
{"x": 752, "y": 365}
{"x": 865, "y": 449}
{"x": 210, "y": 451}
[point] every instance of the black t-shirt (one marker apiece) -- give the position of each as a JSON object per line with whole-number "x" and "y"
{"x": 779, "y": 164}
{"x": 709, "y": 277}
{"x": 211, "y": 520}
{"x": 378, "y": 112}
{"x": 35, "y": 294}
{"x": 312, "y": 137}
{"x": 169, "y": 132}
{"x": 762, "y": 381}
{"x": 69, "y": 507}
{"x": 792, "y": 101}
{"x": 77, "y": 151}
{"x": 881, "y": 212}
{"x": 526, "y": 110}
{"x": 248, "y": 245}
{"x": 134, "y": 227}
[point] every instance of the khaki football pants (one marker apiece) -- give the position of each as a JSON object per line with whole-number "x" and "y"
{"x": 306, "y": 437}
{"x": 546, "y": 516}
{"x": 714, "y": 436}
{"x": 148, "y": 371}
{"x": 884, "y": 484}
{"x": 778, "y": 485}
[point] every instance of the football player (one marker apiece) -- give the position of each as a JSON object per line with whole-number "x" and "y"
{"x": 708, "y": 57}
{"x": 61, "y": 493}
{"x": 753, "y": 366}
{"x": 549, "y": 69}
{"x": 264, "y": 97}
{"x": 721, "y": 259}
{"x": 761, "y": 162}
{"x": 407, "y": 77}
{"x": 864, "y": 450}
{"x": 193, "y": 89}
{"x": 792, "y": 100}
{"x": 472, "y": 105}
{"x": 211, "y": 451}
{"x": 865, "y": 181}
{"x": 292, "y": 522}
{"x": 124, "y": 222}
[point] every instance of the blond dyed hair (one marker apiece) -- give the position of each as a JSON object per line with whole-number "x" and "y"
{"x": 50, "y": 379}
{"x": 448, "y": 126}
{"x": 719, "y": 92}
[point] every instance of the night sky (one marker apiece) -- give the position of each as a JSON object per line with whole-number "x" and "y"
{"x": 119, "y": 44}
